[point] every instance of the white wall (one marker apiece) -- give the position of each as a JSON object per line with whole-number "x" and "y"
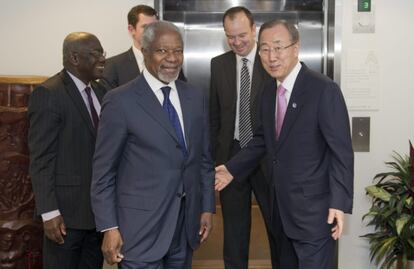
{"x": 32, "y": 32}
{"x": 31, "y": 39}
{"x": 393, "y": 124}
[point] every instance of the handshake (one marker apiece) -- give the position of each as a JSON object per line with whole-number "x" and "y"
{"x": 223, "y": 177}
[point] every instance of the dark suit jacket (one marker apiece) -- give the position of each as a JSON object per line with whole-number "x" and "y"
{"x": 123, "y": 68}
{"x": 61, "y": 144}
{"x": 223, "y": 101}
{"x": 311, "y": 165}
{"x": 140, "y": 172}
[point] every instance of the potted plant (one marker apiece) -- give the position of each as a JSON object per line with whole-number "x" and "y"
{"x": 392, "y": 214}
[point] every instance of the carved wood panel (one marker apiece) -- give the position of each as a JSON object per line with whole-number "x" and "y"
{"x": 20, "y": 235}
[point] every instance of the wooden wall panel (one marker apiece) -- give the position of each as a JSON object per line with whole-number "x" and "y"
{"x": 20, "y": 234}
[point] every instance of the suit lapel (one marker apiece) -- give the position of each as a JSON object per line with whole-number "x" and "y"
{"x": 295, "y": 105}
{"x": 133, "y": 65}
{"x": 149, "y": 102}
{"x": 257, "y": 83}
{"x": 270, "y": 100}
{"x": 98, "y": 90}
{"x": 77, "y": 99}
{"x": 230, "y": 75}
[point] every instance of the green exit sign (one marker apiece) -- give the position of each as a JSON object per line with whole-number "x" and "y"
{"x": 364, "y": 5}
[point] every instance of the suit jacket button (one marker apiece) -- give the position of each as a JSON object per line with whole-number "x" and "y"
{"x": 275, "y": 162}
{"x": 178, "y": 146}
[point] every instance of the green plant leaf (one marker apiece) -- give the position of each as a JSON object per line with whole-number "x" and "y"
{"x": 386, "y": 248}
{"x": 400, "y": 223}
{"x": 379, "y": 193}
{"x": 392, "y": 213}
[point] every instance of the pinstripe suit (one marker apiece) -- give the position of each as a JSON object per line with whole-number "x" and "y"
{"x": 61, "y": 143}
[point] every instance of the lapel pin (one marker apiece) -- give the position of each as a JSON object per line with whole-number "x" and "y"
{"x": 294, "y": 105}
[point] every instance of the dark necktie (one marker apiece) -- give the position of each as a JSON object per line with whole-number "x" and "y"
{"x": 173, "y": 116}
{"x": 94, "y": 115}
{"x": 281, "y": 109}
{"x": 245, "y": 125}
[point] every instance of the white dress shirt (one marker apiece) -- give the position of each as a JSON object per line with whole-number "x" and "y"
{"x": 139, "y": 58}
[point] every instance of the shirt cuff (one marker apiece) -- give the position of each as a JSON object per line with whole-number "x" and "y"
{"x": 50, "y": 215}
{"x": 108, "y": 229}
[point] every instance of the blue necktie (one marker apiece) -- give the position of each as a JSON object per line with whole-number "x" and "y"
{"x": 173, "y": 116}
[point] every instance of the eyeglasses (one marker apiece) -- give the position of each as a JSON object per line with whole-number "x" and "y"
{"x": 265, "y": 50}
{"x": 97, "y": 54}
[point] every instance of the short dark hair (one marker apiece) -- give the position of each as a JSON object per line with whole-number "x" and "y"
{"x": 292, "y": 29}
{"x": 231, "y": 13}
{"x": 133, "y": 14}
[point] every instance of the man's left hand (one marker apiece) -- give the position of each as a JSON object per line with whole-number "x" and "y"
{"x": 206, "y": 224}
{"x": 337, "y": 216}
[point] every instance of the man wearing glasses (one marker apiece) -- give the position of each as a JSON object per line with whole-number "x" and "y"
{"x": 305, "y": 133}
{"x": 64, "y": 116}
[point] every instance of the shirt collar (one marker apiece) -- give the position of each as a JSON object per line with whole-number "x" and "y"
{"x": 139, "y": 57}
{"x": 154, "y": 83}
{"x": 137, "y": 53}
{"x": 79, "y": 83}
{"x": 250, "y": 57}
{"x": 289, "y": 81}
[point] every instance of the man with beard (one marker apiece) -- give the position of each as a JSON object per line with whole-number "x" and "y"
{"x": 63, "y": 114}
{"x": 153, "y": 179}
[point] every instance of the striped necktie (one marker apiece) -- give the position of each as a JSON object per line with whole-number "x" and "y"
{"x": 245, "y": 125}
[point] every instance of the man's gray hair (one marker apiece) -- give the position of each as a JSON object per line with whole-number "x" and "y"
{"x": 148, "y": 35}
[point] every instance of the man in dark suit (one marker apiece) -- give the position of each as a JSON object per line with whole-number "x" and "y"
{"x": 153, "y": 177}
{"x": 126, "y": 66}
{"x": 63, "y": 114}
{"x": 233, "y": 117}
{"x": 305, "y": 133}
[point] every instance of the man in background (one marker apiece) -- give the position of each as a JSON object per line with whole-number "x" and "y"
{"x": 126, "y": 66}
{"x": 63, "y": 114}
{"x": 237, "y": 79}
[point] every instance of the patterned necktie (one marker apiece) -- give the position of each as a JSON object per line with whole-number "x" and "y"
{"x": 94, "y": 115}
{"x": 245, "y": 125}
{"x": 281, "y": 109}
{"x": 173, "y": 116}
